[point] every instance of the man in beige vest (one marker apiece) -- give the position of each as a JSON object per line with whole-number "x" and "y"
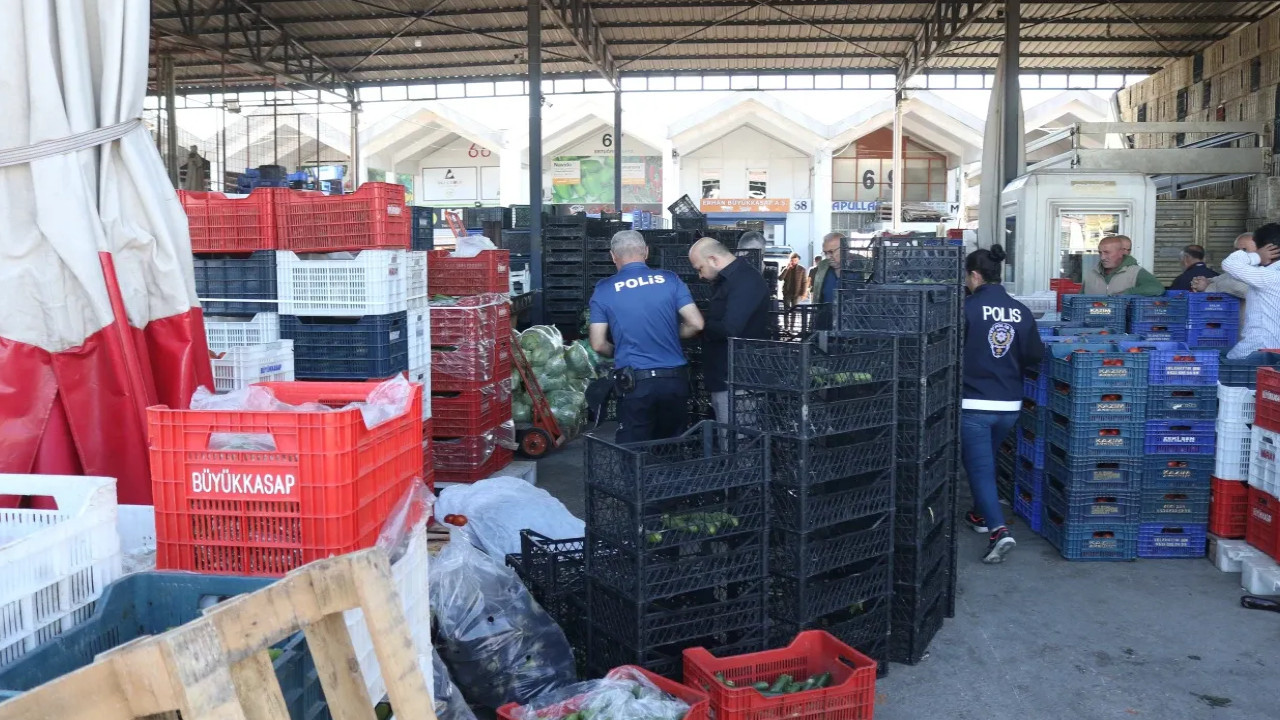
{"x": 1118, "y": 273}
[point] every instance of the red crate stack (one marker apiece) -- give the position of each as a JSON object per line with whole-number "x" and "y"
{"x": 487, "y": 272}
{"x": 471, "y": 383}
{"x": 1267, "y": 404}
{"x": 222, "y": 224}
{"x": 375, "y": 216}
{"x": 1228, "y": 507}
{"x": 1263, "y": 523}
{"x": 1063, "y": 286}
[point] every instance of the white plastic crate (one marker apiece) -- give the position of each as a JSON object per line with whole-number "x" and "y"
{"x": 1259, "y": 575}
{"x": 521, "y": 282}
{"x": 417, "y": 260}
{"x": 1039, "y": 303}
{"x": 1231, "y": 458}
{"x": 410, "y": 576}
{"x": 1236, "y": 404}
{"x": 1228, "y": 555}
{"x": 54, "y": 564}
{"x": 423, "y": 375}
{"x": 1264, "y": 471}
{"x": 419, "y": 329}
{"x": 224, "y": 332}
{"x": 347, "y": 284}
{"x": 242, "y": 366}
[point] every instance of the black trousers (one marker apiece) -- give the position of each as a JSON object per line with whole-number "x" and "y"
{"x": 658, "y": 408}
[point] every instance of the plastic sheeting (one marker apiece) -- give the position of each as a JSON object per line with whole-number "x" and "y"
{"x": 101, "y": 317}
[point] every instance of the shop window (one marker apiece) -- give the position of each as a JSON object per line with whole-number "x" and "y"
{"x": 1142, "y": 112}
{"x": 1206, "y": 94}
{"x": 1197, "y": 68}
{"x": 1255, "y": 74}
{"x": 1181, "y": 104}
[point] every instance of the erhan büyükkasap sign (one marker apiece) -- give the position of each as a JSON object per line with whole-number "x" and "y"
{"x": 755, "y": 205}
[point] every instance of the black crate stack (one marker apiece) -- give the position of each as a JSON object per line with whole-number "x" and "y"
{"x": 676, "y": 547}
{"x": 828, "y": 406}
{"x": 554, "y": 571}
{"x": 564, "y": 268}
{"x": 912, "y": 292}
{"x": 599, "y": 261}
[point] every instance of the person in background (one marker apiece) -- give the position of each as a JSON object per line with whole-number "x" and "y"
{"x": 826, "y": 278}
{"x": 813, "y": 270}
{"x": 1126, "y": 245}
{"x": 1225, "y": 284}
{"x": 1192, "y": 267}
{"x": 1001, "y": 343}
{"x": 1258, "y": 269}
{"x": 739, "y": 307}
{"x": 1118, "y": 273}
{"x": 648, "y": 312}
{"x": 795, "y": 285}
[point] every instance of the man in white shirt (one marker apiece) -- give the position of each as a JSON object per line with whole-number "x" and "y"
{"x": 1261, "y": 273}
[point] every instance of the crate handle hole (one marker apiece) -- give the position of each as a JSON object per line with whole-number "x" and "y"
{"x": 251, "y": 442}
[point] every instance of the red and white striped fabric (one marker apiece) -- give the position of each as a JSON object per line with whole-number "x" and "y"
{"x": 98, "y": 312}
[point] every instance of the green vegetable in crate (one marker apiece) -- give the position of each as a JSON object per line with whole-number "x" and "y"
{"x": 784, "y": 684}
{"x": 579, "y": 362}
{"x": 698, "y": 523}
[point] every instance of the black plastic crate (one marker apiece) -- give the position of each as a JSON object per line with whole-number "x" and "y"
{"x": 563, "y": 269}
{"x": 897, "y": 263}
{"x": 644, "y": 575}
{"x": 913, "y": 522}
{"x": 820, "y": 363}
{"x": 474, "y": 217}
{"x": 910, "y": 645}
{"x": 555, "y": 246}
{"x": 814, "y": 414}
{"x": 923, "y": 355}
{"x": 669, "y": 236}
{"x": 669, "y": 529}
{"x": 920, "y": 478}
{"x": 564, "y": 257}
{"x": 364, "y": 348}
{"x": 803, "y": 555}
{"x": 913, "y": 562}
{"x": 565, "y": 293}
{"x": 521, "y": 216}
{"x": 563, "y": 282}
{"x": 605, "y": 652}
{"x": 424, "y": 228}
{"x": 575, "y": 220}
{"x": 517, "y": 242}
{"x": 801, "y": 463}
{"x": 556, "y": 566}
{"x": 862, "y": 625}
{"x": 793, "y": 600}
{"x": 925, "y": 396}
{"x": 680, "y": 619}
{"x": 685, "y": 207}
{"x": 815, "y": 506}
{"x": 708, "y": 457}
{"x": 250, "y": 278}
{"x": 922, "y": 439}
{"x": 897, "y": 309}
{"x": 605, "y": 228}
{"x": 799, "y": 322}
{"x": 912, "y": 602}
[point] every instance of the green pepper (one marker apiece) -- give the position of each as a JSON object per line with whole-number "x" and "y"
{"x": 780, "y": 685}
{"x": 823, "y": 680}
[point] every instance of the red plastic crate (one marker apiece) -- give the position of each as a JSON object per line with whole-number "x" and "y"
{"x": 469, "y": 412}
{"x": 223, "y": 224}
{"x": 374, "y": 216}
{"x": 1267, "y": 414}
{"x": 1063, "y": 286}
{"x": 501, "y": 458}
{"x": 461, "y": 325}
{"x": 456, "y": 369}
{"x": 1228, "y": 507}
{"x": 487, "y": 272}
{"x": 428, "y": 452}
{"x": 851, "y": 695}
{"x": 699, "y": 707}
{"x": 325, "y": 490}
{"x": 1263, "y": 528}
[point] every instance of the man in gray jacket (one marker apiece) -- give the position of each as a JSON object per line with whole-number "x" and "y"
{"x": 1118, "y": 273}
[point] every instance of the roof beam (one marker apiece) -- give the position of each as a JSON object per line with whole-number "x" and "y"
{"x": 577, "y": 19}
{"x": 944, "y": 23}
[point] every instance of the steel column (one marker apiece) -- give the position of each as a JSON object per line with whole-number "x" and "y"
{"x": 355, "y": 146}
{"x": 617, "y": 149}
{"x": 1012, "y": 137}
{"x": 899, "y": 173}
{"x": 171, "y": 118}
{"x": 535, "y": 158}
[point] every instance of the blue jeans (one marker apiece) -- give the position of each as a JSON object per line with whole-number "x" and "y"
{"x": 981, "y": 432}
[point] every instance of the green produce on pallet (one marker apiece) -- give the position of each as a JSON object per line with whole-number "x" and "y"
{"x": 784, "y": 684}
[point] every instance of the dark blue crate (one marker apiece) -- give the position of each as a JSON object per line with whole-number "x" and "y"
{"x": 1099, "y": 405}
{"x": 1175, "y": 437}
{"x": 1090, "y": 505}
{"x": 1160, "y": 331}
{"x": 1190, "y": 402}
{"x": 1096, "y": 310}
{"x": 1031, "y": 447}
{"x": 1187, "y": 505}
{"x": 370, "y": 347}
{"x": 1035, "y": 383}
{"x": 1028, "y": 495}
{"x": 1096, "y": 366}
{"x": 1202, "y": 334}
{"x": 1159, "y": 540}
{"x": 1034, "y": 417}
{"x": 1239, "y": 374}
{"x": 1103, "y": 474}
{"x": 1086, "y": 439}
{"x": 1088, "y": 541}
{"x": 1183, "y": 367}
{"x": 1167, "y": 310}
{"x": 249, "y": 280}
{"x": 897, "y": 309}
{"x": 1168, "y": 471}
{"x": 1079, "y": 332}
{"x": 151, "y": 603}
{"x": 423, "y": 228}
{"x": 1213, "y": 307}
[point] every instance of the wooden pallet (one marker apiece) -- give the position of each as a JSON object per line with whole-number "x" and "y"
{"x": 218, "y": 667}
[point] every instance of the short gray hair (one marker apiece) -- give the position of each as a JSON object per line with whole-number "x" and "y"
{"x": 628, "y": 243}
{"x": 832, "y": 236}
{"x": 751, "y": 240}
{"x": 1247, "y": 234}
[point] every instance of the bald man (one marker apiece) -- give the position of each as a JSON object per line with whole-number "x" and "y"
{"x": 739, "y": 307}
{"x": 1118, "y": 273}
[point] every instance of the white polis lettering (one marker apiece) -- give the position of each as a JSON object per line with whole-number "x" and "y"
{"x": 1000, "y": 314}
{"x": 638, "y": 282}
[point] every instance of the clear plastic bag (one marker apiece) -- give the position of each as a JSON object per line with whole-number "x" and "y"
{"x": 499, "y": 645}
{"x": 407, "y": 514}
{"x": 448, "y": 700}
{"x": 498, "y": 508}
{"x": 623, "y": 694}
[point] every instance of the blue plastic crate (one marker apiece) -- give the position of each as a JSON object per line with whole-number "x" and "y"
{"x": 1183, "y": 367}
{"x": 1104, "y": 474}
{"x": 1086, "y": 439}
{"x": 423, "y": 228}
{"x": 1105, "y": 405}
{"x": 1094, "y": 366}
{"x": 1096, "y": 310}
{"x": 247, "y": 279}
{"x": 1168, "y": 471}
{"x": 365, "y": 348}
{"x": 1079, "y": 331}
{"x": 1079, "y": 504}
{"x": 150, "y": 603}
{"x": 1213, "y": 307}
{"x": 1034, "y": 417}
{"x": 1187, "y": 402}
{"x": 1173, "y": 437}
{"x": 1159, "y": 540}
{"x": 1202, "y": 334}
{"x": 1087, "y": 541}
{"x": 1167, "y": 310}
{"x": 1028, "y": 495}
{"x": 1238, "y": 374}
{"x": 1031, "y": 447}
{"x": 1187, "y": 505}
{"x": 1160, "y": 331}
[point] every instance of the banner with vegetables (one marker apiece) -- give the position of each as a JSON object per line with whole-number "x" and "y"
{"x": 589, "y": 179}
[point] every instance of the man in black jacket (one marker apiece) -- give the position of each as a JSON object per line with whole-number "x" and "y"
{"x": 1193, "y": 267}
{"x": 739, "y": 307}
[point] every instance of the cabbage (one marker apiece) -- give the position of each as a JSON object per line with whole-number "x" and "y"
{"x": 596, "y": 360}
{"x": 555, "y": 365}
{"x": 521, "y": 409}
{"x": 578, "y": 361}
{"x": 516, "y": 382}
{"x": 578, "y": 385}
{"x": 566, "y": 417}
{"x": 549, "y": 383}
{"x": 539, "y": 347}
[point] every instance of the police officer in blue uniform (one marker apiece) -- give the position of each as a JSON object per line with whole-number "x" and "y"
{"x": 647, "y": 312}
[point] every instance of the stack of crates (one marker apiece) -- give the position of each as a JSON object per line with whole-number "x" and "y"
{"x": 554, "y": 571}
{"x": 423, "y": 228}
{"x": 1159, "y": 319}
{"x": 1229, "y": 498}
{"x": 1108, "y": 312}
{"x": 828, "y": 406}
{"x": 1093, "y": 463}
{"x": 1263, "y": 521}
{"x": 471, "y": 365}
{"x": 912, "y": 292}
{"x": 1178, "y": 454}
{"x": 564, "y": 268}
{"x": 676, "y": 547}
{"x": 1213, "y": 320}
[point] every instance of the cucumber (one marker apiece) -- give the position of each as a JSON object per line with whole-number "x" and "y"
{"x": 780, "y": 685}
{"x": 823, "y": 680}
{"x": 762, "y": 686}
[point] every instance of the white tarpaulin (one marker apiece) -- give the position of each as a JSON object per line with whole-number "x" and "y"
{"x": 99, "y": 315}
{"x": 990, "y": 222}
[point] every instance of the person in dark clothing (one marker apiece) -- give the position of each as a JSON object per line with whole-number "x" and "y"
{"x": 739, "y": 307}
{"x": 1193, "y": 267}
{"x": 794, "y": 286}
{"x": 1001, "y": 342}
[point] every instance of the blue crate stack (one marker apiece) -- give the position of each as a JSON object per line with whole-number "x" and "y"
{"x": 1107, "y": 312}
{"x": 1212, "y": 320}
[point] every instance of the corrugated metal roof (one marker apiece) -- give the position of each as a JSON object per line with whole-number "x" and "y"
{"x": 297, "y": 43}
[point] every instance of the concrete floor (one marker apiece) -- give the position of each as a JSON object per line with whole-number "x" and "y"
{"x": 1040, "y": 638}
